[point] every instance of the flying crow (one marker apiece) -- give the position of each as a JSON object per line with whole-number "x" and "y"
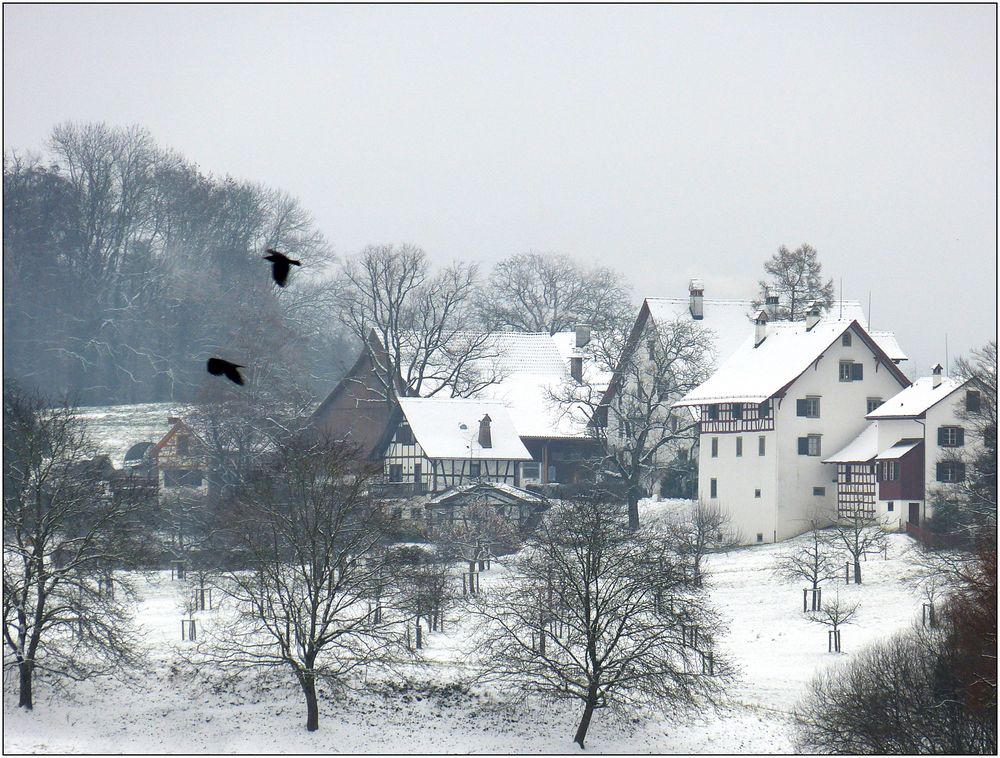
{"x": 219, "y": 367}
{"x": 279, "y": 265}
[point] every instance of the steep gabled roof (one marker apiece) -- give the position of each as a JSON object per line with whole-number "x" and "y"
{"x": 449, "y": 428}
{"x": 917, "y": 399}
{"x": 755, "y": 373}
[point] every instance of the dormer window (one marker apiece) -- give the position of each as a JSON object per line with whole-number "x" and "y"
{"x": 737, "y": 410}
{"x": 764, "y": 409}
{"x": 713, "y": 412}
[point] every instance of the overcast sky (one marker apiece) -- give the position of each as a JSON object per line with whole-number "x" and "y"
{"x": 668, "y": 142}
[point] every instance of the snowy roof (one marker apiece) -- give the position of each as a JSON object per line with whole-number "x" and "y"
{"x": 862, "y": 448}
{"x": 914, "y": 401}
{"x": 532, "y": 367}
{"x": 754, "y": 374}
{"x": 437, "y": 425}
{"x": 898, "y": 450}
{"x": 732, "y": 320}
{"x": 525, "y": 495}
{"x": 889, "y": 344}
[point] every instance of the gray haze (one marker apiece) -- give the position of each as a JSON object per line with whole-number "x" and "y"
{"x": 668, "y": 142}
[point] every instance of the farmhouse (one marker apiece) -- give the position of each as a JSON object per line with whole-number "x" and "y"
{"x": 907, "y": 448}
{"x": 766, "y": 416}
{"x": 527, "y": 370}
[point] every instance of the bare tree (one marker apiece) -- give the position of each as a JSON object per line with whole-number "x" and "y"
{"x": 427, "y": 585}
{"x": 703, "y": 528}
{"x": 425, "y": 322}
{"x": 860, "y": 532}
{"x": 816, "y": 561}
{"x": 66, "y": 609}
{"x": 545, "y": 292}
{"x": 902, "y": 695}
{"x": 795, "y": 278}
{"x": 835, "y": 614}
{"x": 634, "y": 421}
{"x": 312, "y": 544}
{"x": 595, "y": 612}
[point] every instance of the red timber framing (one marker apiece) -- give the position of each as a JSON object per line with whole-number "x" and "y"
{"x": 855, "y": 489}
{"x": 736, "y": 417}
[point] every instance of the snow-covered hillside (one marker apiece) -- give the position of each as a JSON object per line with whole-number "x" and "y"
{"x": 115, "y": 428}
{"x": 166, "y": 710}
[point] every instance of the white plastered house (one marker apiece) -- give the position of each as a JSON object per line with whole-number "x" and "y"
{"x": 888, "y": 470}
{"x": 728, "y": 324}
{"x": 790, "y": 394}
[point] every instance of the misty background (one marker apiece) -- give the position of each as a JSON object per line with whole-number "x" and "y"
{"x": 664, "y": 142}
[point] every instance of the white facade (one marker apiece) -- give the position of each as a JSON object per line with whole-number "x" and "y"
{"x": 918, "y": 413}
{"x": 774, "y": 496}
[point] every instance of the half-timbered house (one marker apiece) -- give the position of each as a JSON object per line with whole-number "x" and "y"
{"x": 766, "y": 416}
{"x": 438, "y": 444}
{"x": 528, "y": 370}
{"x": 904, "y": 451}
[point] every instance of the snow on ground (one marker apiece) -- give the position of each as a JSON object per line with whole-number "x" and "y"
{"x": 115, "y": 428}
{"x": 166, "y": 709}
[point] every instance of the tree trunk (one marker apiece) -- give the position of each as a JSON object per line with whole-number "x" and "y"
{"x": 308, "y": 681}
{"x": 857, "y": 570}
{"x": 633, "y": 509}
{"x": 588, "y": 712}
{"x": 24, "y": 685}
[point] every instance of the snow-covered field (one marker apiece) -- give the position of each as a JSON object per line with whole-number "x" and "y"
{"x": 115, "y": 428}
{"x": 166, "y": 709}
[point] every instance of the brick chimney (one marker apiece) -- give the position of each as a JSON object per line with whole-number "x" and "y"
{"x": 937, "y": 371}
{"x": 813, "y": 315}
{"x": 485, "y": 439}
{"x": 582, "y": 334}
{"x": 696, "y": 288}
{"x": 760, "y": 328}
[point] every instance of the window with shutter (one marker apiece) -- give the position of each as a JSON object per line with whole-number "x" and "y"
{"x": 846, "y": 339}
{"x": 713, "y": 487}
{"x": 803, "y": 446}
{"x": 857, "y": 372}
{"x": 951, "y": 436}
{"x": 739, "y": 447}
{"x": 846, "y": 372}
{"x": 761, "y": 445}
{"x": 715, "y": 447}
{"x": 972, "y": 401}
{"x": 800, "y": 408}
{"x": 873, "y": 403}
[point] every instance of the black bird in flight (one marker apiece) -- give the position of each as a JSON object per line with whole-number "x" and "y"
{"x": 280, "y": 264}
{"x": 219, "y": 367}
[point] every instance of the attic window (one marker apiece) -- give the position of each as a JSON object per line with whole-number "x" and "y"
{"x": 183, "y": 444}
{"x": 404, "y": 435}
{"x": 846, "y": 339}
{"x": 873, "y": 403}
{"x": 851, "y": 371}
